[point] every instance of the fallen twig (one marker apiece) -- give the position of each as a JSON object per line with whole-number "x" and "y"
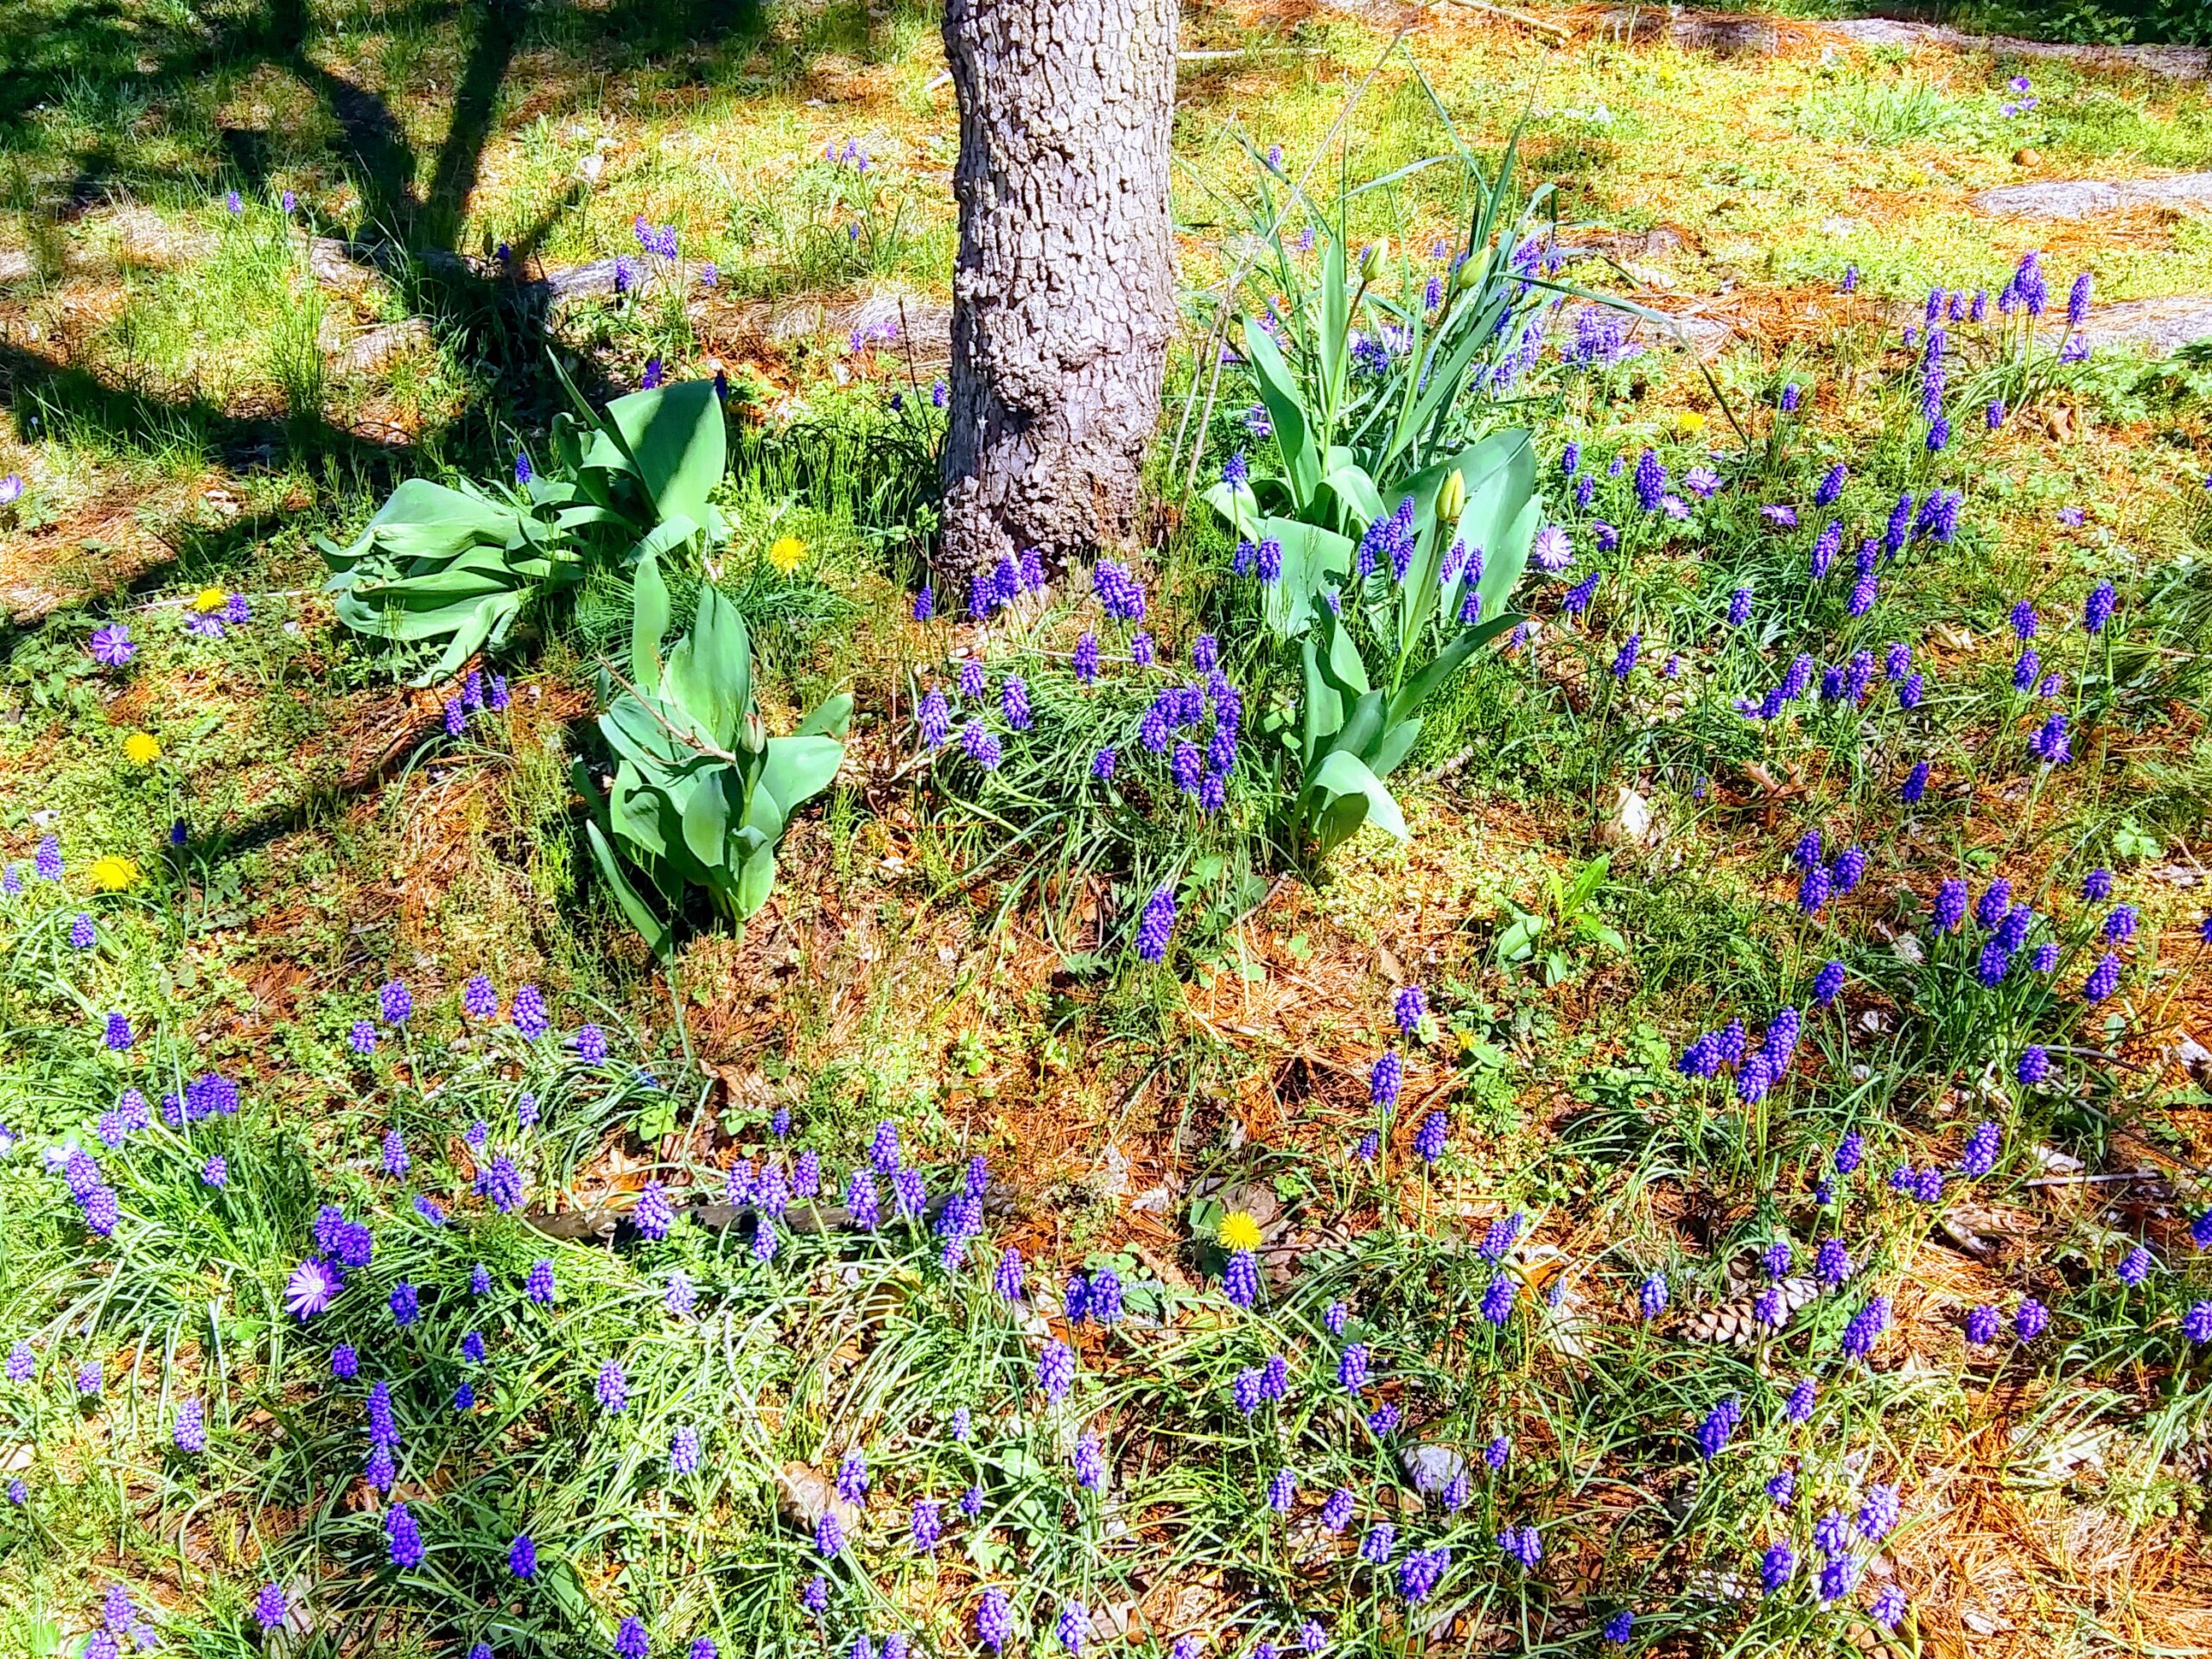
{"x": 1557, "y": 31}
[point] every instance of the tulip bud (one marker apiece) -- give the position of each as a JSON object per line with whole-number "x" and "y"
{"x": 1452, "y": 498}
{"x": 1371, "y": 261}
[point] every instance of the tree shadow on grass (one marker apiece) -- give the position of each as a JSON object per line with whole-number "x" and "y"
{"x": 108, "y": 50}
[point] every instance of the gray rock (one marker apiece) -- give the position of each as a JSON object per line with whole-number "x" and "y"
{"x": 2088, "y": 198}
{"x": 379, "y": 346}
{"x": 2180, "y": 63}
{"x": 2165, "y": 325}
{"x": 1432, "y": 1468}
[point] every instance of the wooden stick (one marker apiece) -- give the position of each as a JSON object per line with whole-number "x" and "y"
{"x": 1557, "y": 31}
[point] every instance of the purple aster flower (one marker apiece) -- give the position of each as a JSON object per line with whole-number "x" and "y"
{"x": 309, "y": 1290}
{"x": 1553, "y": 550}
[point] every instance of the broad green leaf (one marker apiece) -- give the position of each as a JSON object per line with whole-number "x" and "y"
{"x": 710, "y": 671}
{"x": 1363, "y": 723}
{"x": 675, "y": 437}
{"x": 648, "y": 622}
{"x": 651, "y": 928}
{"x": 1343, "y": 772}
{"x": 1587, "y": 880}
{"x": 1446, "y": 662}
{"x": 1301, "y": 461}
{"x": 799, "y": 769}
{"x": 1388, "y": 752}
{"x": 707, "y": 818}
{"x": 1338, "y": 821}
{"x": 422, "y": 519}
{"x": 1311, "y": 555}
{"x": 1341, "y": 663}
{"x": 1238, "y": 507}
{"x": 830, "y": 718}
{"x": 1335, "y": 355}
{"x": 1321, "y": 709}
{"x": 756, "y": 880}
{"x": 1515, "y": 944}
{"x": 1348, "y": 482}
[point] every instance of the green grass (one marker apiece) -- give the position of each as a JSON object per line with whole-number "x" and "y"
{"x": 950, "y": 948}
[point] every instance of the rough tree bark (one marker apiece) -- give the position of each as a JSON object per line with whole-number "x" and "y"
{"x": 1064, "y": 296}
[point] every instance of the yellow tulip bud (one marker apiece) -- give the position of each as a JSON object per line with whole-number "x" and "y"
{"x": 1371, "y": 261}
{"x": 1452, "y": 498}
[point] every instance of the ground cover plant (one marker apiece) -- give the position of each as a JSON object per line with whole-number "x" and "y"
{"x": 1562, "y": 1012}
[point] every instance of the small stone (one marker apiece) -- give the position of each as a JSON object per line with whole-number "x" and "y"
{"x": 1432, "y": 1468}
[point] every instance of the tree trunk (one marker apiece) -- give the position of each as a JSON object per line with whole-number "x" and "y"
{"x": 1064, "y": 293}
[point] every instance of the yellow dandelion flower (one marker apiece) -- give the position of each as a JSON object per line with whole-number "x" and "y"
{"x": 786, "y": 553}
{"x": 141, "y": 748}
{"x": 113, "y": 874}
{"x": 210, "y": 598}
{"x": 1688, "y": 422}
{"x": 1239, "y": 1231}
